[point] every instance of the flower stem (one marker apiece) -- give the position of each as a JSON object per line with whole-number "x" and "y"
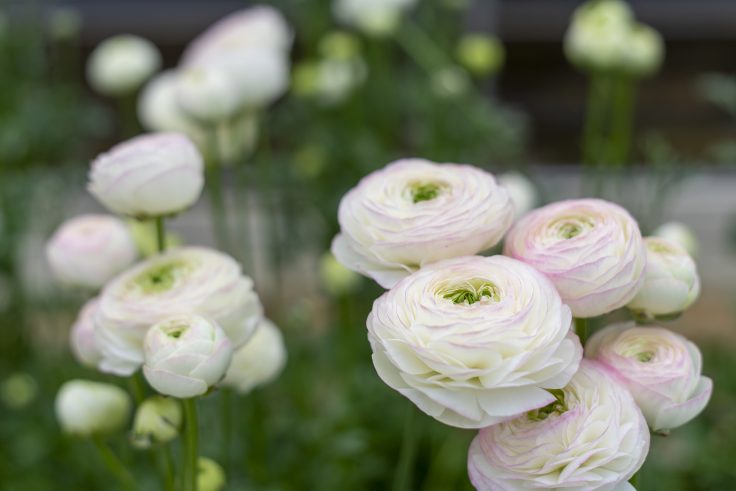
{"x": 137, "y": 387}
{"x": 622, "y": 120}
{"x": 191, "y": 442}
{"x": 581, "y": 329}
{"x": 114, "y": 465}
{"x": 405, "y": 467}
{"x": 167, "y": 462}
{"x": 217, "y": 205}
{"x": 160, "y": 234}
{"x": 227, "y": 427}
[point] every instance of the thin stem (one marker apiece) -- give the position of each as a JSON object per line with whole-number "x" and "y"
{"x": 160, "y": 234}
{"x": 114, "y": 464}
{"x": 622, "y": 119}
{"x": 227, "y": 426}
{"x": 581, "y": 329}
{"x": 137, "y": 387}
{"x": 167, "y": 461}
{"x": 405, "y": 467}
{"x": 191, "y": 442}
{"x": 594, "y": 131}
{"x": 217, "y": 205}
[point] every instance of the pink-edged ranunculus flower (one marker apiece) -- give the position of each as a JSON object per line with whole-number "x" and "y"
{"x": 151, "y": 175}
{"x": 185, "y": 355}
{"x": 82, "y": 336}
{"x": 591, "y": 249}
{"x": 189, "y": 280}
{"x": 415, "y": 212}
{"x": 671, "y": 283}
{"x": 661, "y": 368}
{"x": 89, "y": 250}
{"x": 591, "y": 437}
{"x": 474, "y": 341}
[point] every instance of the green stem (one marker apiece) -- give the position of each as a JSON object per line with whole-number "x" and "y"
{"x": 160, "y": 234}
{"x": 167, "y": 461}
{"x": 191, "y": 442}
{"x": 137, "y": 387}
{"x": 622, "y": 119}
{"x": 114, "y": 464}
{"x": 217, "y": 205}
{"x": 594, "y": 131}
{"x": 581, "y": 329}
{"x": 227, "y": 427}
{"x": 405, "y": 467}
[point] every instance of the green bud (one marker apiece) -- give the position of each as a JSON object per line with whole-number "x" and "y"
{"x": 481, "y": 54}
{"x": 157, "y": 420}
{"x": 210, "y": 476}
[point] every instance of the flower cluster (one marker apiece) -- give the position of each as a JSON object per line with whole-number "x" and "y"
{"x": 487, "y": 342}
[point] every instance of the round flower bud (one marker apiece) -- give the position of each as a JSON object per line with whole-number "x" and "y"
{"x": 481, "y": 54}
{"x": 376, "y": 18}
{"x": 671, "y": 283}
{"x": 522, "y": 191}
{"x": 680, "y": 234}
{"x": 259, "y": 362}
{"x": 185, "y": 355}
{"x": 190, "y": 280}
{"x": 591, "y": 437}
{"x": 261, "y": 27}
{"x": 157, "y": 420}
{"x": 336, "y": 278}
{"x": 87, "y": 408}
{"x": 415, "y": 212}
{"x": 121, "y": 64}
{"x": 151, "y": 175}
{"x": 82, "y": 337}
{"x": 210, "y": 475}
{"x": 591, "y": 249}
{"x": 598, "y": 35}
{"x": 474, "y": 341}
{"x": 645, "y": 51}
{"x": 207, "y": 94}
{"x": 89, "y": 250}
{"x": 662, "y": 370}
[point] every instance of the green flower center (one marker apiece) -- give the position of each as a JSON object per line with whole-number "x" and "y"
{"x": 570, "y": 227}
{"x": 645, "y": 356}
{"x": 175, "y": 330}
{"x": 426, "y": 191}
{"x": 160, "y": 277}
{"x": 558, "y": 406}
{"x": 471, "y": 292}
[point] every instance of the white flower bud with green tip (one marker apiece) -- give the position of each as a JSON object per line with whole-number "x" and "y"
{"x": 210, "y": 475}
{"x": 671, "y": 282}
{"x": 185, "y": 355}
{"x": 644, "y": 51}
{"x": 121, "y": 64}
{"x": 259, "y": 362}
{"x": 157, "y": 420}
{"x": 87, "y": 408}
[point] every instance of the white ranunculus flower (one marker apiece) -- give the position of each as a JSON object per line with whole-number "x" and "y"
{"x": 185, "y": 355}
{"x": 207, "y": 93}
{"x": 591, "y": 438}
{"x": 89, "y": 250}
{"x": 661, "y": 368}
{"x": 87, "y": 408}
{"x": 645, "y": 51}
{"x": 159, "y": 109}
{"x": 376, "y": 18}
{"x": 679, "y": 233}
{"x": 414, "y": 212}
{"x": 591, "y": 249}
{"x": 598, "y": 34}
{"x": 82, "y": 336}
{"x": 121, "y": 64}
{"x": 260, "y": 361}
{"x": 522, "y": 191}
{"x": 190, "y": 280}
{"x": 151, "y": 175}
{"x": 671, "y": 283}
{"x": 260, "y": 27}
{"x": 474, "y": 341}
{"x": 157, "y": 420}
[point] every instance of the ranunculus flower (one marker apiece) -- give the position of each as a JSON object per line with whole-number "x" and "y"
{"x": 190, "y": 280}
{"x": 207, "y": 93}
{"x": 121, "y": 64}
{"x": 87, "y": 408}
{"x": 671, "y": 283}
{"x": 259, "y": 362}
{"x": 591, "y": 249}
{"x": 644, "y": 51}
{"x": 661, "y": 368}
{"x": 82, "y": 336}
{"x": 591, "y": 437}
{"x": 89, "y": 250}
{"x": 185, "y": 355}
{"x": 157, "y": 420}
{"x": 376, "y": 18}
{"x": 522, "y": 191}
{"x": 415, "y": 212}
{"x": 473, "y": 341}
{"x": 679, "y": 233}
{"x": 150, "y": 175}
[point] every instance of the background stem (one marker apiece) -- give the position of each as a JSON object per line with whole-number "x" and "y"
{"x": 114, "y": 465}
{"x": 191, "y": 442}
{"x": 581, "y": 329}
{"x": 405, "y": 466}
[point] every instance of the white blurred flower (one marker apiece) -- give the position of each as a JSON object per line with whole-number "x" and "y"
{"x": 157, "y": 420}
{"x": 591, "y": 437}
{"x": 259, "y": 362}
{"x": 474, "y": 341}
{"x": 185, "y": 355}
{"x": 671, "y": 283}
{"x": 414, "y": 212}
{"x": 662, "y": 370}
{"x": 87, "y": 408}
{"x": 121, "y": 64}
{"x": 82, "y": 336}
{"x": 206, "y": 93}
{"x": 89, "y": 250}
{"x": 681, "y": 234}
{"x": 210, "y": 475}
{"x": 523, "y": 192}
{"x": 591, "y": 249}
{"x": 644, "y": 51}
{"x": 151, "y": 175}
{"x": 190, "y": 280}
{"x": 375, "y": 17}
